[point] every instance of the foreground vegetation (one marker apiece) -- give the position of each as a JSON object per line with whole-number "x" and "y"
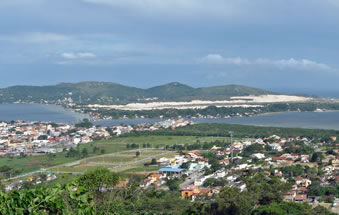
{"x": 99, "y": 192}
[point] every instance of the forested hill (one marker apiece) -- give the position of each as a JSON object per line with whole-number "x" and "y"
{"x": 113, "y": 93}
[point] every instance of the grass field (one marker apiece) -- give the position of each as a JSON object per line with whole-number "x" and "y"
{"x": 117, "y": 144}
{"x": 114, "y": 159}
{"x": 141, "y": 169}
{"x": 142, "y": 153}
{"x": 77, "y": 169}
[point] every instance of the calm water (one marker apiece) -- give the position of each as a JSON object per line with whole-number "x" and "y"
{"x": 53, "y": 113}
{"x": 37, "y": 112}
{"x": 319, "y": 120}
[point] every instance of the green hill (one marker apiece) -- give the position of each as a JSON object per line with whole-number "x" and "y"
{"x": 113, "y": 93}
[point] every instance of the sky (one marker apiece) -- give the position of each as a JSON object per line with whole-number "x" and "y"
{"x": 288, "y": 46}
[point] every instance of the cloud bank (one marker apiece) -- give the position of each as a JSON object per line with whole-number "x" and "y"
{"x": 78, "y": 55}
{"x": 281, "y": 63}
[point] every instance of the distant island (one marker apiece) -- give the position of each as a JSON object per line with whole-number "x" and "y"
{"x": 113, "y": 93}
{"x": 106, "y": 100}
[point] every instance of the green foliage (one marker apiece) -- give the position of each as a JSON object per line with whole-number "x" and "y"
{"x": 84, "y": 124}
{"x": 112, "y": 93}
{"x": 241, "y": 131}
{"x": 42, "y": 137}
{"x": 173, "y": 184}
{"x": 98, "y": 179}
{"x": 95, "y": 193}
{"x": 265, "y": 190}
{"x": 249, "y": 150}
{"x": 285, "y": 208}
{"x": 137, "y": 153}
{"x": 229, "y": 201}
{"x": 84, "y": 152}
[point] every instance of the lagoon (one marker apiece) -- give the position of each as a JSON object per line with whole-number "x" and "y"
{"x": 38, "y": 112}
{"x": 54, "y": 113}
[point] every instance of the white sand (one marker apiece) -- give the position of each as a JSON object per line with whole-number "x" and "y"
{"x": 239, "y": 101}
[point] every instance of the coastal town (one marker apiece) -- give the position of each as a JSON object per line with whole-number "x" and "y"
{"x": 19, "y": 138}
{"x": 312, "y": 174}
{"x": 197, "y": 170}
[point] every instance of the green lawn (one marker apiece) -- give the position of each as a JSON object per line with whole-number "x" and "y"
{"x": 78, "y": 168}
{"x": 114, "y": 159}
{"x": 141, "y": 169}
{"x": 143, "y": 153}
{"x": 117, "y": 144}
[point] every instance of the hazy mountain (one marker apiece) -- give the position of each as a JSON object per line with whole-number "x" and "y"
{"x": 113, "y": 93}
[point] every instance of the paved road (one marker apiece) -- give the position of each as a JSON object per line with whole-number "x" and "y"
{"x": 81, "y": 160}
{"x": 190, "y": 180}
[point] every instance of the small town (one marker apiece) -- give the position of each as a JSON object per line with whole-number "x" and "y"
{"x": 197, "y": 170}
{"x": 18, "y": 138}
{"x": 203, "y": 173}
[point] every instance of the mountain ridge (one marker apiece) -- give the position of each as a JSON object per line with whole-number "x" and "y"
{"x": 93, "y": 92}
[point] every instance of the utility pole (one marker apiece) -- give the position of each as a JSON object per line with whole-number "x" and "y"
{"x": 231, "y": 133}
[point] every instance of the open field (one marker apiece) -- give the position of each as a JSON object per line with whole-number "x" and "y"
{"x": 141, "y": 169}
{"x": 121, "y": 163}
{"x": 76, "y": 169}
{"x": 142, "y": 153}
{"x": 119, "y": 144}
{"x": 113, "y": 159}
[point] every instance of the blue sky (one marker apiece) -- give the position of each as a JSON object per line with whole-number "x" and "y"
{"x": 282, "y": 45}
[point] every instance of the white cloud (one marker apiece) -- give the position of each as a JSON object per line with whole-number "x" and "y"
{"x": 39, "y": 37}
{"x": 78, "y": 55}
{"x": 282, "y": 63}
{"x": 36, "y": 37}
{"x": 174, "y": 7}
{"x": 218, "y": 59}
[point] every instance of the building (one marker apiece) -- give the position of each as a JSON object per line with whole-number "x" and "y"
{"x": 170, "y": 171}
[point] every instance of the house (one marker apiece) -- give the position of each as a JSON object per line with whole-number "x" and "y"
{"x": 224, "y": 162}
{"x": 258, "y": 156}
{"x": 298, "y": 180}
{"x": 276, "y": 147}
{"x": 215, "y": 148}
{"x": 300, "y": 198}
{"x": 168, "y": 170}
{"x": 290, "y": 195}
{"x": 189, "y": 191}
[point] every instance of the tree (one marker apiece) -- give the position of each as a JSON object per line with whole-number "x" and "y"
{"x": 230, "y": 201}
{"x": 42, "y": 137}
{"x": 22, "y": 155}
{"x": 95, "y": 149}
{"x": 289, "y": 208}
{"x": 137, "y": 153}
{"x": 315, "y": 157}
{"x": 185, "y": 165}
{"x": 209, "y": 182}
{"x": 84, "y": 124}
{"x": 84, "y": 152}
{"x": 154, "y": 161}
{"x": 97, "y": 179}
{"x": 6, "y": 171}
{"x": 173, "y": 184}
